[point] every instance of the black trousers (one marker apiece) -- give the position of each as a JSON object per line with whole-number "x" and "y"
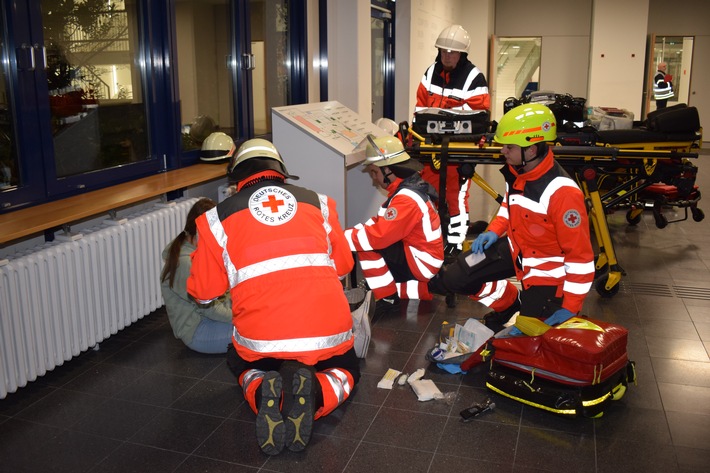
{"x": 470, "y": 272}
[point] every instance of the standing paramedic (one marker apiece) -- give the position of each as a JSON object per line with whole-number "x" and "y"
{"x": 544, "y": 216}
{"x": 400, "y": 248}
{"x": 453, "y": 82}
{"x": 662, "y": 86}
{"x": 280, "y": 251}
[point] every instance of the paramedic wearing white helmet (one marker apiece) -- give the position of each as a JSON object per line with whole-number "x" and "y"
{"x": 401, "y": 247}
{"x": 453, "y": 82}
{"x": 280, "y": 251}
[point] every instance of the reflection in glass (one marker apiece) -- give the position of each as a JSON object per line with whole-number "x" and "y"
{"x": 270, "y": 47}
{"x": 203, "y": 49}
{"x": 517, "y": 70}
{"x": 377, "y": 32}
{"x": 8, "y": 154}
{"x": 95, "y": 97}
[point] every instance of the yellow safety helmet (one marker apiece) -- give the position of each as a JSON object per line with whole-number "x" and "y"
{"x": 454, "y": 38}
{"x": 217, "y": 148}
{"x": 384, "y": 151}
{"x": 254, "y": 156}
{"x": 526, "y": 125}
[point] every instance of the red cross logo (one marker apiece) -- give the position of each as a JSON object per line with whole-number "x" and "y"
{"x": 572, "y": 218}
{"x": 273, "y": 203}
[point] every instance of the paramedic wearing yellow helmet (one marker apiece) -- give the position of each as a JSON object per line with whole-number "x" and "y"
{"x": 544, "y": 216}
{"x": 280, "y": 251}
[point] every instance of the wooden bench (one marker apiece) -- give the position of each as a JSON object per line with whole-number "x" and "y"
{"x": 25, "y": 222}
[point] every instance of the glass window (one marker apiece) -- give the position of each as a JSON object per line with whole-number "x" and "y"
{"x": 271, "y": 67}
{"x": 8, "y": 153}
{"x": 203, "y": 55}
{"x": 98, "y": 116}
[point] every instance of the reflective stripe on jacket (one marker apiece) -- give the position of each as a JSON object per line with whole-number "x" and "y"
{"x": 464, "y": 88}
{"x": 281, "y": 251}
{"x": 661, "y": 88}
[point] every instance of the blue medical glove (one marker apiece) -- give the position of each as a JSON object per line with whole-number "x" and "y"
{"x": 483, "y": 241}
{"x": 559, "y": 316}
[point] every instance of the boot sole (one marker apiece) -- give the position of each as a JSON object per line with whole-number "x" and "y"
{"x": 270, "y": 428}
{"x": 299, "y": 422}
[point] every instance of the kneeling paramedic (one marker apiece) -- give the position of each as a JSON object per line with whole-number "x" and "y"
{"x": 400, "y": 248}
{"x": 281, "y": 252}
{"x": 543, "y": 214}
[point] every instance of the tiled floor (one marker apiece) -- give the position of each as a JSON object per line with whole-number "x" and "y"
{"x": 144, "y": 403}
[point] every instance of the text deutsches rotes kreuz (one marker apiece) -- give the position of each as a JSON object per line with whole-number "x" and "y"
{"x": 273, "y": 205}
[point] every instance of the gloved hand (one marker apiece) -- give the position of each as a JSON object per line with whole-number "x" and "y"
{"x": 558, "y": 317}
{"x": 483, "y": 241}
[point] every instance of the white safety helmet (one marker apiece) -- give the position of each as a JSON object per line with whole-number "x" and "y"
{"x": 384, "y": 151}
{"x": 390, "y": 126}
{"x": 218, "y": 147}
{"x": 454, "y": 38}
{"x": 255, "y": 156}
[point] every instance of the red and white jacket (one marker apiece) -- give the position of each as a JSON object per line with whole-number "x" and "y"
{"x": 464, "y": 88}
{"x": 545, "y": 217}
{"x": 408, "y": 215}
{"x": 281, "y": 252}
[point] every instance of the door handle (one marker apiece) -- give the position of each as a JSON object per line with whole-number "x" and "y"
{"x": 248, "y": 62}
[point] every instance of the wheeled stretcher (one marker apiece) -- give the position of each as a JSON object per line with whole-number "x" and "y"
{"x": 613, "y": 174}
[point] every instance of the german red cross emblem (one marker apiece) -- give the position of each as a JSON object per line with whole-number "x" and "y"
{"x": 390, "y": 213}
{"x": 572, "y": 218}
{"x": 272, "y": 205}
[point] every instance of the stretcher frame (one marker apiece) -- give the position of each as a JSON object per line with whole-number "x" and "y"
{"x": 587, "y": 164}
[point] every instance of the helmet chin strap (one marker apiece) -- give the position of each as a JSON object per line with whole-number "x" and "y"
{"x": 386, "y": 177}
{"x": 523, "y": 161}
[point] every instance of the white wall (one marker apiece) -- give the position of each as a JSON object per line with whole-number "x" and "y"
{"x": 349, "y": 63}
{"x": 616, "y": 70}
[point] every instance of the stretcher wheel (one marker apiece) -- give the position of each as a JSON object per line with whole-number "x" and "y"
{"x": 632, "y": 217}
{"x": 600, "y": 286}
{"x": 598, "y": 272}
{"x": 698, "y": 214}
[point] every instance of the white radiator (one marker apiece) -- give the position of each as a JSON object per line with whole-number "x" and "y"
{"x": 63, "y": 297}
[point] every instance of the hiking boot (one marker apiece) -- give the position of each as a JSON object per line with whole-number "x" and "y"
{"x": 270, "y": 428}
{"x": 496, "y": 320}
{"x": 299, "y": 421}
{"x": 387, "y": 304}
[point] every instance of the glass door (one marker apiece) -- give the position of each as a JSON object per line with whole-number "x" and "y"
{"x": 382, "y": 45}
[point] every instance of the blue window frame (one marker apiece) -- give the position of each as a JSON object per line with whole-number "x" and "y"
{"x": 74, "y": 119}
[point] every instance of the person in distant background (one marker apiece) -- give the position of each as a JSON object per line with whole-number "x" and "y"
{"x": 662, "y": 86}
{"x": 202, "y": 329}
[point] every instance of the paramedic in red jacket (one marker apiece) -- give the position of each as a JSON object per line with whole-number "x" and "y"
{"x": 544, "y": 216}
{"x": 280, "y": 251}
{"x": 400, "y": 248}
{"x": 454, "y": 83}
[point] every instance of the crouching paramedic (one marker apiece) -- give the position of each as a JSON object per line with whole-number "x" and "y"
{"x": 281, "y": 252}
{"x": 400, "y": 248}
{"x": 544, "y": 216}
